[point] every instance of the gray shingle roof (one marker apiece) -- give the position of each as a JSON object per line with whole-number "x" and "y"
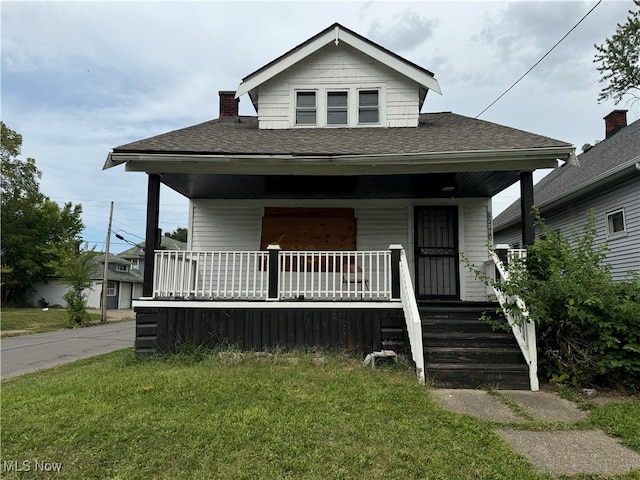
{"x": 113, "y": 275}
{"x": 167, "y": 243}
{"x": 437, "y": 132}
{"x": 602, "y": 159}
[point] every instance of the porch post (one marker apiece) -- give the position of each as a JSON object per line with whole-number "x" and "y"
{"x": 526, "y": 204}
{"x": 395, "y": 270}
{"x": 152, "y": 237}
{"x": 274, "y": 272}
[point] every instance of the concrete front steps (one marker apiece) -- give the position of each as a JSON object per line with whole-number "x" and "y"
{"x": 463, "y": 351}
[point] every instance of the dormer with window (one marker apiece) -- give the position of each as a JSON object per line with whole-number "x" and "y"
{"x": 338, "y": 79}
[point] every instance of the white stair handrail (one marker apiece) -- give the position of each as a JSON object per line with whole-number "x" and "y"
{"x": 412, "y": 316}
{"x": 524, "y": 330}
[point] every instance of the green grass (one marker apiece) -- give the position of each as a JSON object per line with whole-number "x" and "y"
{"x": 16, "y": 321}
{"x": 232, "y": 415}
{"x": 235, "y": 416}
{"x": 620, "y": 420}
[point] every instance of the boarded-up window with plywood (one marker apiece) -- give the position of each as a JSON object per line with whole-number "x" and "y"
{"x": 309, "y": 228}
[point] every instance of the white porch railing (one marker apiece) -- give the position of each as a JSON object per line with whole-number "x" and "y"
{"x": 210, "y": 275}
{"x": 523, "y": 328}
{"x": 310, "y": 275}
{"x": 411, "y": 316}
{"x": 335, "y": 275}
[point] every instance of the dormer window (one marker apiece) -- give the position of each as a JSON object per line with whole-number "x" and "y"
{"x": 368, "y": 106}
{"x": 305, "y": 108}
{"x": 337, "y": 107}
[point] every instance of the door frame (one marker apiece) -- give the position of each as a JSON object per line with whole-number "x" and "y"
{"x": 456, "y": 235}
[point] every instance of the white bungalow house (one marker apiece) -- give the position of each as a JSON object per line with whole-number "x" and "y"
{"x": 606, "y": 180}
{"x": 338, "y": 217}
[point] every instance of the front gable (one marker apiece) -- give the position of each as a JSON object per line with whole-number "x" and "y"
{"x": 338, "y": 79}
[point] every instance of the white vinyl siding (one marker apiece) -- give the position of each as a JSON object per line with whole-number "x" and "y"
{"x": 225, "y": 226}
{"x": 475, "y": 228}
{"x": 339, "y": 68}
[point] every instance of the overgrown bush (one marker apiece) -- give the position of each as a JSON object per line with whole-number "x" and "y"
{"x": 76, "y": 307}
{"x": 75, "y": 266}
{"x": 588, "y": 326}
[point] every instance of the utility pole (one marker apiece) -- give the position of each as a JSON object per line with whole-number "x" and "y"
{"x": 105, "y": 283}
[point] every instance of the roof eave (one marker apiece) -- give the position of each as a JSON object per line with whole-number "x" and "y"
{"x": 387, "y": 164}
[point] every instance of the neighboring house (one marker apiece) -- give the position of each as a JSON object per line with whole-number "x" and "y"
{"x": 321, "y": 221}
{"x": 135, "y": 256}
{"x": 122, "y": 285}
{"x": 607, "y": 180}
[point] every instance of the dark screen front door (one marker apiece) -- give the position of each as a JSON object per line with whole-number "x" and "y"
{"x": 436, "y": 253}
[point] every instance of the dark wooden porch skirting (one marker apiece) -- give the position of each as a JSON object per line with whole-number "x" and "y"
{"x": 364, "y": 328}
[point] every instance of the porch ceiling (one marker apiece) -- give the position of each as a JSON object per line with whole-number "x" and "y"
{"x": 435, "y": 185}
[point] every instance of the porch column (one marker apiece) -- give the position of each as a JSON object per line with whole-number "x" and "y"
{"x": 526, "y": 204}
{"x": 273, "y": 281}
{"x": 152, "y": 239}
{"x": 395, "y": 270}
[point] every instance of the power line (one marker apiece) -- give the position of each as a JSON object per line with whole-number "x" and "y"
{"x": 543, "y": 57}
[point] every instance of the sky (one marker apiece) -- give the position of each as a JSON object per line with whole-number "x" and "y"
{"x": 79, "y": 78}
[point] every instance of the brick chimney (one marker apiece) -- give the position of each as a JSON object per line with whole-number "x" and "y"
{"x": 614, "y": 122}
{"x": 228, "y": 104}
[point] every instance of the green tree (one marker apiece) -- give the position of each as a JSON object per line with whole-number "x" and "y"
{"x": 619, "y": 59}
{"x": 75, "y": 267}
{"x": 180, "y": 234}
{"x": 34, "y": 228}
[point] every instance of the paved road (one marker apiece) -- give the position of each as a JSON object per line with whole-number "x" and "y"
{"x": 28, "y": 353}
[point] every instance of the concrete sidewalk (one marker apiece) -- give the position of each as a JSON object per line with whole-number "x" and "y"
{"x": 558, "y": 452}
{"x": 28, "y": 353}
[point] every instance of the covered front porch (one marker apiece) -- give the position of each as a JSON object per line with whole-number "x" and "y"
{"x": 360, "y": 301}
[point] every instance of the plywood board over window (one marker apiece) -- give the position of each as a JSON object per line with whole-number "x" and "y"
{"x": 309, "y": 228}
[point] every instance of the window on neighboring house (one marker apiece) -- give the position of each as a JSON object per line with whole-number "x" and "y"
{"x": 368, "y": 108}
{"x": 615, "y": 223}
{"x": 305, "y": 108}
{"x": 337, "y": 103}
{"x": 135, "y": 264}
{"x": 121, "y": 268}
{"x": 111, "y": 289}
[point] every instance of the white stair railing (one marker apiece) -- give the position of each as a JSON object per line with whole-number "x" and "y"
{"x": 523, "y": 328}
{"x": 412, "y": 316}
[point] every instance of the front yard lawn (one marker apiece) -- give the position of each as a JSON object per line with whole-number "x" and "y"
{"x": 235, "y": 416}
{"x": 232, "y": 415}
{"x": 17, "y": 321}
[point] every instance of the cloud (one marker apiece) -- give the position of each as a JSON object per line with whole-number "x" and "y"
{"x": 79, "y": 78}
{"x": 402, "y": 33}
{"x": 523, "y": 32}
